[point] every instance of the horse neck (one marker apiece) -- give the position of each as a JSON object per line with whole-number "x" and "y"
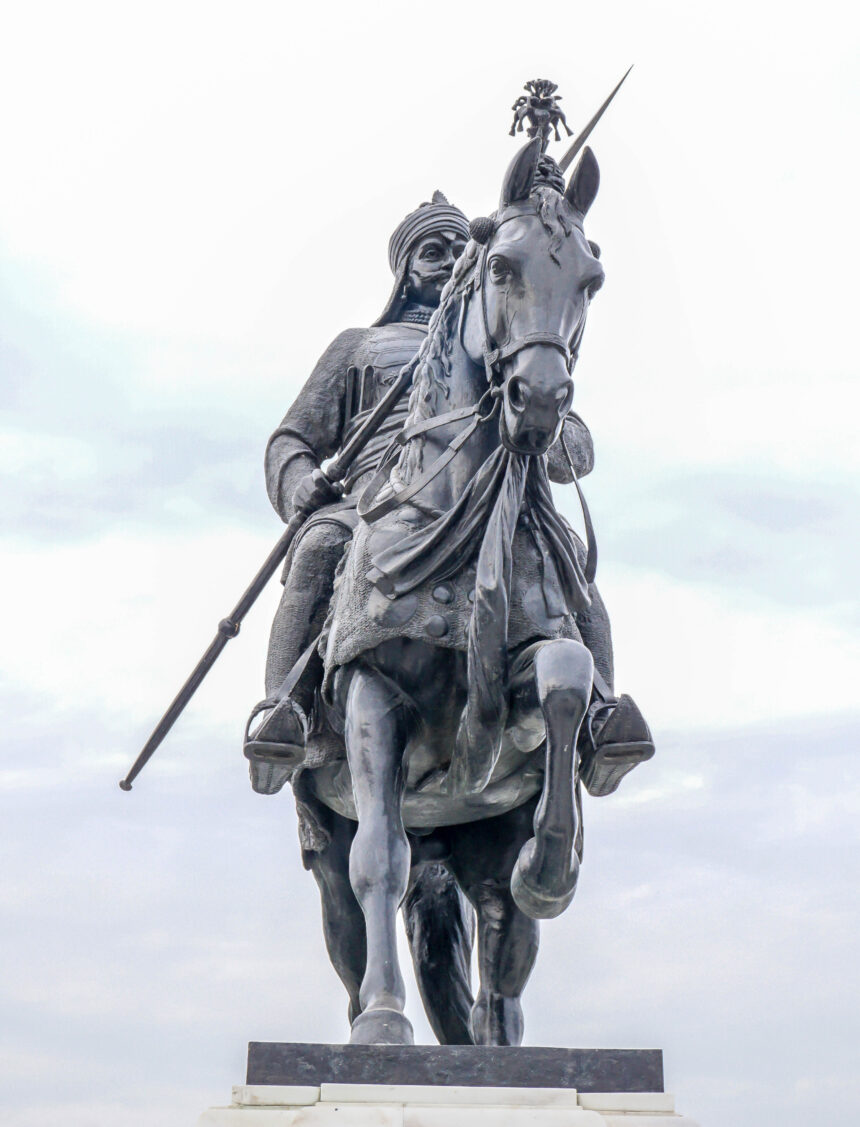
{"x": 450, "y": 382}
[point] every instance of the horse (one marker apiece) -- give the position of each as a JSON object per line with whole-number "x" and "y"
{"x": 453, "y": 665}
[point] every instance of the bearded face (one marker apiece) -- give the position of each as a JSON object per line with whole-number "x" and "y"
{"x": 430, "y": 264}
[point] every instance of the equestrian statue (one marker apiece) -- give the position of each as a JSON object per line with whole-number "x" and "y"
{"x": 439, "y": 682}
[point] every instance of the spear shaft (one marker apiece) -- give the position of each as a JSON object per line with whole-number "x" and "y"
{"x": 229, "y": 627}
{"x": 583, "y": 136}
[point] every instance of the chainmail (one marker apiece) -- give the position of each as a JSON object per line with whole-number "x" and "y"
{"x": 416, "y": 314}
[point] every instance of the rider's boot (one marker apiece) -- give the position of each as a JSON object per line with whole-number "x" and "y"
{"x": 276, "y": 732}
{"x": 616, "y": 738}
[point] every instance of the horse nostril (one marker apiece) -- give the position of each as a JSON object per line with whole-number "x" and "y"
{"x": 564, "y": 399}
{"x": 517, "y": 394}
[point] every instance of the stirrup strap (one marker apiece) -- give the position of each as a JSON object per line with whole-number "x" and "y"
{"x": 590, "y": 569}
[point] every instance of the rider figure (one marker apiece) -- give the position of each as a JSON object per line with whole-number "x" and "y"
{"x": 349, "y": 379}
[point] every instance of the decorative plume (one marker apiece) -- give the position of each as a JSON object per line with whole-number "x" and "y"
{"x": 541, "y": 109}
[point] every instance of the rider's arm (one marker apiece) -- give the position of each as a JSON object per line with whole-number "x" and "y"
{"x": 311, "y": 430}
{"x": 577, "y": 438}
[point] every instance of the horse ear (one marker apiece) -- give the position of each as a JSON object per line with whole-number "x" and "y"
{"x": 584, "y": 182}
{"x": 520, "y": 177}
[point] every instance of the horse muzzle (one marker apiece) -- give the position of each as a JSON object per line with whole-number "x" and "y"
{"x": 536, "y": 397}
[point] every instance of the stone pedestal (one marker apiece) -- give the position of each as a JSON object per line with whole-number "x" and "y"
{"x": 404, "y": 1105}
{"x": 448, "y": 1086}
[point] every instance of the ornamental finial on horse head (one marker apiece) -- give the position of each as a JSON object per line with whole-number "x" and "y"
{"x": 541, "y": 109}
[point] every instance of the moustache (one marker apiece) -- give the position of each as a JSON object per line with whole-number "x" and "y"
{"x": 441, "y": 275}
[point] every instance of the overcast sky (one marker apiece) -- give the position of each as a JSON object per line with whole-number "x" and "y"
{"x": 194, "y": 199}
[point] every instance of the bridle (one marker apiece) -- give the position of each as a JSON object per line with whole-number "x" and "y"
{"x": 494, "y": 355}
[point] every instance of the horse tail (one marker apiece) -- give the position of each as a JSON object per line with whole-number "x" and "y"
{"x": 440, "y": 927}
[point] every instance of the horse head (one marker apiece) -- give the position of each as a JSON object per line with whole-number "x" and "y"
{"x": 534, "y": 277}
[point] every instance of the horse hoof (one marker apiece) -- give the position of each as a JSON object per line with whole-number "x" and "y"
{"x": 539, "y": 903}
{"x": 382, "y": 1027}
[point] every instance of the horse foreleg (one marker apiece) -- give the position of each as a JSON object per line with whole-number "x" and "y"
{"x": 380, "y": 857}
{"x": 545, "y": 875}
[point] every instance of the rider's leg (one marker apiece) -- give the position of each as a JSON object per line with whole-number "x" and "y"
{"x": 376, "y": 732}
{"x": 305, "y": 599}
{"x": 343, "y": 920}
{"x": 546, "y": 872}
{"x": 439, "y": 925}
{"x": 274, "y": 742}
{"x": 483, "y": 855}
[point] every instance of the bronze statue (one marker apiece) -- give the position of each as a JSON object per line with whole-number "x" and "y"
{"x": 439, "y": 683}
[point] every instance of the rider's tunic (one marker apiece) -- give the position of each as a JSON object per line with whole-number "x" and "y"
{"x": 351, "y": 377}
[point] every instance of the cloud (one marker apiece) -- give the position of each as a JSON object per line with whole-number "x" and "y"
{"x": 155, "y": 933}
{"x": 81, "y": 453}
{"x": 785, "y": 539}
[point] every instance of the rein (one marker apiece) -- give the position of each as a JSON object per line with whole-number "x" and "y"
{"x": 371, "y": 512}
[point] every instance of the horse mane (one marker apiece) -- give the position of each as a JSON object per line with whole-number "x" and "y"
{"x": 555, "y": 213}
{"x": 432, "y": 364}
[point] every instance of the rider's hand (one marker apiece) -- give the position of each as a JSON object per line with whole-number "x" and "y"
{"x": 314, "y": 491}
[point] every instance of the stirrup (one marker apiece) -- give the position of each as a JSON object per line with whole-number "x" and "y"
{"x": 622, "y": 742}
{"x": 276, "y": 745}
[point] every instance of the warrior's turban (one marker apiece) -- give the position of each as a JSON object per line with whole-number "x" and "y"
{"x": 428, "y": 219}
{"x": 435, "y": 218}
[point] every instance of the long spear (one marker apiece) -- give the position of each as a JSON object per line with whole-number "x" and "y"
{"x": 228, "y": 627}
{"x": 583, "y": 135}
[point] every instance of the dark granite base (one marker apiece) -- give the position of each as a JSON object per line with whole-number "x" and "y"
{"x": 587, "y": 1070}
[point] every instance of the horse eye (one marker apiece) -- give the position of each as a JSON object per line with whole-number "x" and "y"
{"x": 595, "y": 286}
{"x": 499, "y": 268}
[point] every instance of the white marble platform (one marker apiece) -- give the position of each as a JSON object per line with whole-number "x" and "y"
{"x": 404, "y": 1105}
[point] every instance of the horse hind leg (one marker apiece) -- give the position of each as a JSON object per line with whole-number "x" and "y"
{"x": 343, "y": 921}
{"x": 507, "y": 949}
{"x": 483, "y": 856}
{"x": 546, "y": 872}
{"x": 380, "y": 856}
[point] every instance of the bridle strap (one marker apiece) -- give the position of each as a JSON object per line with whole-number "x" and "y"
{"x": 493, "y": 357}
